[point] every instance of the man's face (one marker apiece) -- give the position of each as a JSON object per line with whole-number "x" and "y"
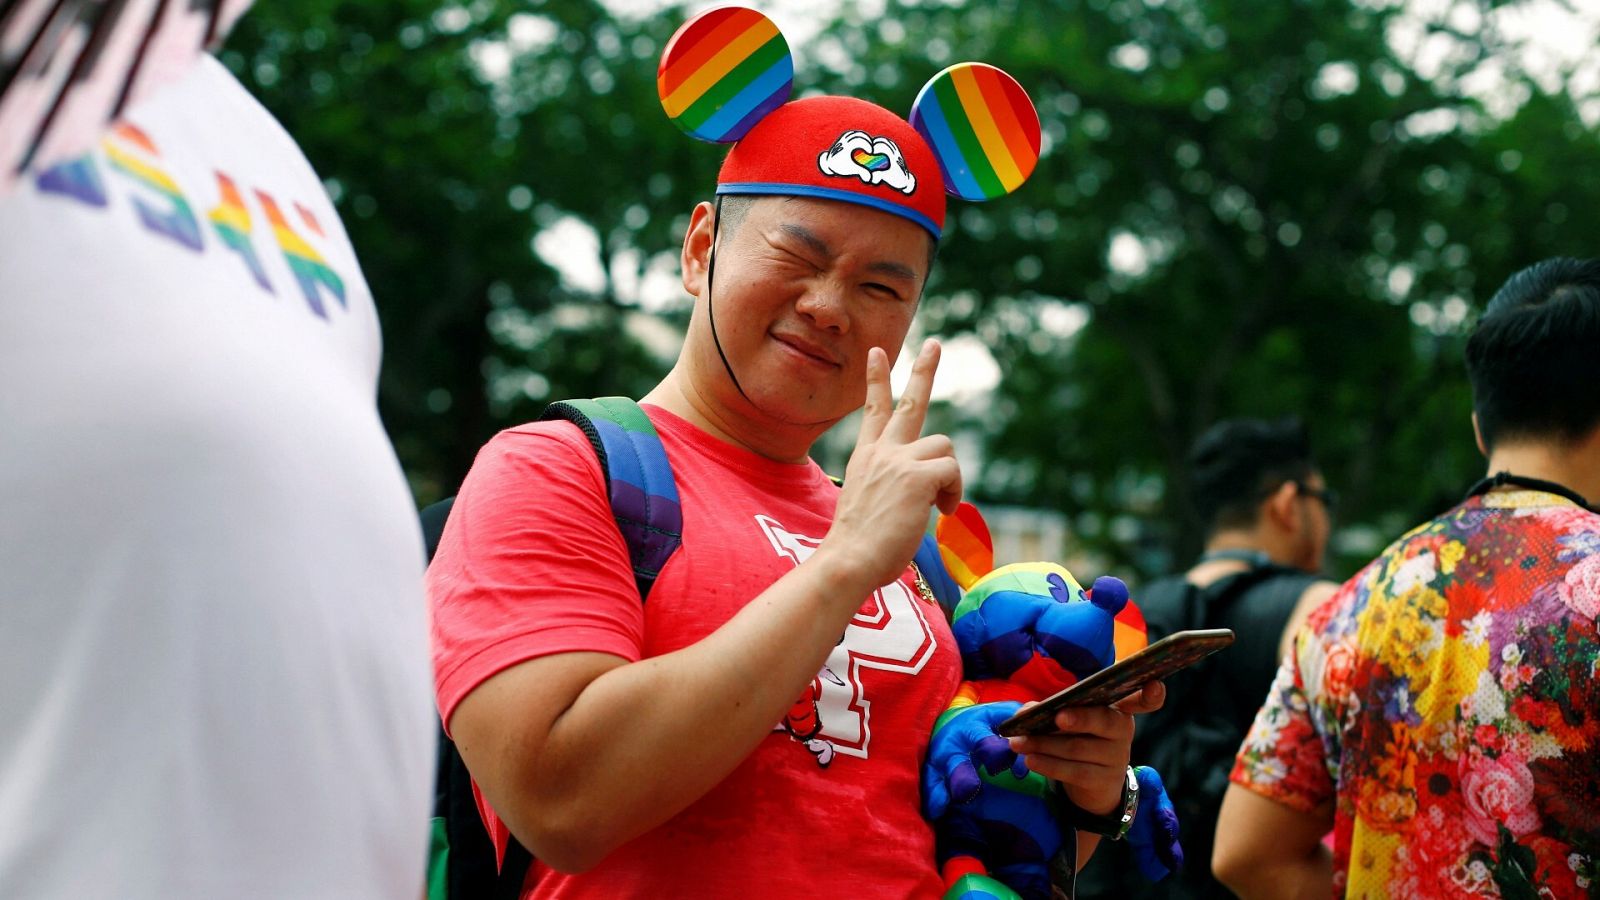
{"x": 803, "y": 289}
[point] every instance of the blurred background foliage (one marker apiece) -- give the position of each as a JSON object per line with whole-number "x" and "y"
{"x": 1243, "y": 208}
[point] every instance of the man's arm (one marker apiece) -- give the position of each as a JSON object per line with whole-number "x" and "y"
{"x": 1279, "y": 805}
{"x": 581, "y": 752}
{"x": 1311, "y": 598}
{"x": 1267, "y": 849}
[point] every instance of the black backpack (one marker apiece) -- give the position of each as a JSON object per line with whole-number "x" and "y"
{"x": 1194, "y": 737}
{"x": 644, "y": 502}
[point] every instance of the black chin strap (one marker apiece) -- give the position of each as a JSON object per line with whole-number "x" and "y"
{"x": 1500, "y": 479}
{"x": 711, "y": 306}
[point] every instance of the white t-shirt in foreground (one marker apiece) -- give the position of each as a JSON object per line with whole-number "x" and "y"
{"x": 213, "y": 665}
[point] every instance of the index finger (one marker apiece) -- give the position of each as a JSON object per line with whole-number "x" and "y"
{"x": 880, "y": 402}
{"x": 1106, "y": 722}
{"x": 905, "y": 425}
{"x": 1148, "y": 699}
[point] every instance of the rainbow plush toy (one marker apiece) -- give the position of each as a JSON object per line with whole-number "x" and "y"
{"x": 1025, "y": 631}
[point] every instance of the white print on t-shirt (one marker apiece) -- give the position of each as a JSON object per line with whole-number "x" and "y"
{"x": 889, "y": 633}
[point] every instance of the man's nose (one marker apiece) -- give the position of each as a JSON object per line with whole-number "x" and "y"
{"x": 825, "y": 304}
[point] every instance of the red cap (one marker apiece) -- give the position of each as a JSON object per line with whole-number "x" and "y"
{"x": 839, "y": 148}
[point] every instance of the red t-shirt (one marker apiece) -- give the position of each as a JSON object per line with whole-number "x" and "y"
{"x": 532, "y": 564}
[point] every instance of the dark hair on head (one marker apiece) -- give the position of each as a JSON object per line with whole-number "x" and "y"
{"x": 1534, "y": 358}
{"x": 1237, "y": 462}
{"x": 732, "y": 208}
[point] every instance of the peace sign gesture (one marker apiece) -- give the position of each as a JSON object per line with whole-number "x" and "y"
{"x": 894, "y": 477}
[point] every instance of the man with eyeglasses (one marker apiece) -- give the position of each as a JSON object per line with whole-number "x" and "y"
{"x": 1267, "y": 512}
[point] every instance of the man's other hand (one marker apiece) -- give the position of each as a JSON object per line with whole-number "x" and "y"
{"x": 1089, "y": 752}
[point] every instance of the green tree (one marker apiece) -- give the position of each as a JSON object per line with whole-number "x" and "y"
{"x": 1244, "y": 208}
{"x": 451, "y": 137}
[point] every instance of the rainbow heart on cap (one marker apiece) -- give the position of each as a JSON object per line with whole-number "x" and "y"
{"x": 722, "y": 72}
{"x": 872, "y": 162}
{"x": 982, "y": 127}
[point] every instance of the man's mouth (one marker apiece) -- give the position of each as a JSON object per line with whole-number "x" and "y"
{"x": 803, "y": 347}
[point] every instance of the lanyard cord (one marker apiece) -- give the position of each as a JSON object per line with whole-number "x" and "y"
{"x": 1499, "y": 479}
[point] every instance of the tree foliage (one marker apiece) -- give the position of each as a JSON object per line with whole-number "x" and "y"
{"x": 1250, "y": 209}
{"x": 1243, "y": 208}
{"x": 451, "y": 138}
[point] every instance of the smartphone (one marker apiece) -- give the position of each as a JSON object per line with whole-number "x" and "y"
{"x": 1154, "y": 663}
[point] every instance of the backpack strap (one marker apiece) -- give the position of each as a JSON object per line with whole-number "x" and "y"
{"x": 1209, "y": 607}
{"x": 1205, "y": 606}
{"x": 931, "y": 569}
{"x": 644, "y": 496}
{"x": 433, "y": 518}
{"x": 513, "y": 870}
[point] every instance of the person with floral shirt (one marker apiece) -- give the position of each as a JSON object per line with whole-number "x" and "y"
{"x": 1441, "y": 712}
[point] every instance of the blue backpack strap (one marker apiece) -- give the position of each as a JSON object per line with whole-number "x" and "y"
{"x": 930, "y": 565}
{"x": 644, "y": 496}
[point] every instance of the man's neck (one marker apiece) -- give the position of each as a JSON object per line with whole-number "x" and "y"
{"x": 1235, "y": 543}
{"x": 1575, "y": 466}
{"x": 1226, "y": 542}
{"x": 747, "y": 427}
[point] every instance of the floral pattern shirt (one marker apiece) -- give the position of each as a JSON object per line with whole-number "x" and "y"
{"x": 1446, "y": 703}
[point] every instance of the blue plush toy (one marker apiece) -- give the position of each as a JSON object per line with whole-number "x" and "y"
{"x": 1025, "y": 631}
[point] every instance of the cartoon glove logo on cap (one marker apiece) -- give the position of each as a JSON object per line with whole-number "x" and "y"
{"x": 875, "y": 160}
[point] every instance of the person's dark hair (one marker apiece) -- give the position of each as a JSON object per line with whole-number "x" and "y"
{"x": 732, "y": 208}
{"x": 1534, "y": 358}
{"x": 1237, "y": 462}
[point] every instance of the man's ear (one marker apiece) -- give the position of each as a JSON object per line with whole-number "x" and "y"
{"x": 1280, "y": 507}
{"x": 1477, "y": 435}
{"x": 695, "y": 260}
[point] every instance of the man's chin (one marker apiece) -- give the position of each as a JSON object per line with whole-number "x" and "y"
{"x": 813, "y": 414}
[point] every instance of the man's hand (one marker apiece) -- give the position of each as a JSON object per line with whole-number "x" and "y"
{"x": 895, "y": 476}
{"x": 1089, "y": 753}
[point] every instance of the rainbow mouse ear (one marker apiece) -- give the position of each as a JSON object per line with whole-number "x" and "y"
{"x": 723, "y": 71}
{"x": 982, "y": 127}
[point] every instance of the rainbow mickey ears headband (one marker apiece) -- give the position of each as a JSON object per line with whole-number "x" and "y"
{"x": 726, "y": 77}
